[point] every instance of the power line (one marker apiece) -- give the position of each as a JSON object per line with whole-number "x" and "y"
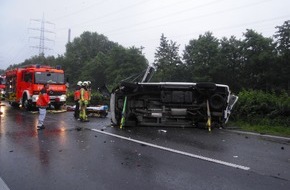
{"x": 109, "y": 14}
{"x": 187, "y": 19}
{"x": 81, "y": 10}
{"x": 139, "y": 13}
{"x": 217, "y": 29}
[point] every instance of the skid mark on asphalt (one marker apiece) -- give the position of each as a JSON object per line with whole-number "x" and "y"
{"x": 176, "y": 151}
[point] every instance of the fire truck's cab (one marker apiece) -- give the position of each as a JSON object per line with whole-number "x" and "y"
{"x": 24, "y": 84}
{"x": 2, "y": 86}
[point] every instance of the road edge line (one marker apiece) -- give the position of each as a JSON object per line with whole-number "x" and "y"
{"x": 176, "y": 151}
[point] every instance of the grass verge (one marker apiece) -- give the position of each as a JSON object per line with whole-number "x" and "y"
{"x": 262, "y": 129}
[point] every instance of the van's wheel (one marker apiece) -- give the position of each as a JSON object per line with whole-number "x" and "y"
{"x": 26, "y": 103}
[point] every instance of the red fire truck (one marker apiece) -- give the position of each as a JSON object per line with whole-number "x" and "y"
{"x": 24, "y": 84}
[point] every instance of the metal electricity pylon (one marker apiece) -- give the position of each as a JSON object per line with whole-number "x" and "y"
{"x": 42, "y": 37}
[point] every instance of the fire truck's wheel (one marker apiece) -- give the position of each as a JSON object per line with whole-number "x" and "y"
{"x": 14, "y": 104}
{"x": 57, "y": 107}
{"x": 26, "y": 104}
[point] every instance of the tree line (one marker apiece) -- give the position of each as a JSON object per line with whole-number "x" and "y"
{"x": 92, "y": 57}
{"x": 253, "y": 62}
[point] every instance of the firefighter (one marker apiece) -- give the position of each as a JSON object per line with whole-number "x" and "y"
{"x": 42, "y": 103}
{"x": 0, "y": 111}
{"x": 84, "y": 100}
{"x": 0, "y": 103}
{"x": 77, "y": 96}
{"x": 89, "y": 89}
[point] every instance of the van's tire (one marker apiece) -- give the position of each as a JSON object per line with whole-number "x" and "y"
{"x": 217, "y": 101}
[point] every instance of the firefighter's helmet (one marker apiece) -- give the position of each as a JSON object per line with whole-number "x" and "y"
{"x": 85, "y": 83}
{"x": 79, "y": 83}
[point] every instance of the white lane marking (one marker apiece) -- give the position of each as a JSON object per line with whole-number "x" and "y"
{"x": 177, "y": 151}
{"x": 258, "y": 134}
{"x": 3, "y": 185}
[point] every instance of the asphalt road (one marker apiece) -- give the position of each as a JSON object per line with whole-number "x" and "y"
{"x": 103, "y": 157}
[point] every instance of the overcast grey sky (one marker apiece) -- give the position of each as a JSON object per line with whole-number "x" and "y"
{"x": 130, "y": 22}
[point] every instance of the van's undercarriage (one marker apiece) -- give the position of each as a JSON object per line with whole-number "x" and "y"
{"x": 171, "y": 104}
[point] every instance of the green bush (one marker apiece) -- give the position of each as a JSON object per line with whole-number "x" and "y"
{"x": 258, "y": 107}
{"x": 70, "y": 98}
{"x": 96, "y": 99}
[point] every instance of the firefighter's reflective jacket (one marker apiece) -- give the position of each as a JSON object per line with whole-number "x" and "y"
{"x": 84, "y": 94}
{"x": 77, "y": 94}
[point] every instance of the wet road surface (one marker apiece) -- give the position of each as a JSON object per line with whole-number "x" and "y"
{"x": 103, "y": 157}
